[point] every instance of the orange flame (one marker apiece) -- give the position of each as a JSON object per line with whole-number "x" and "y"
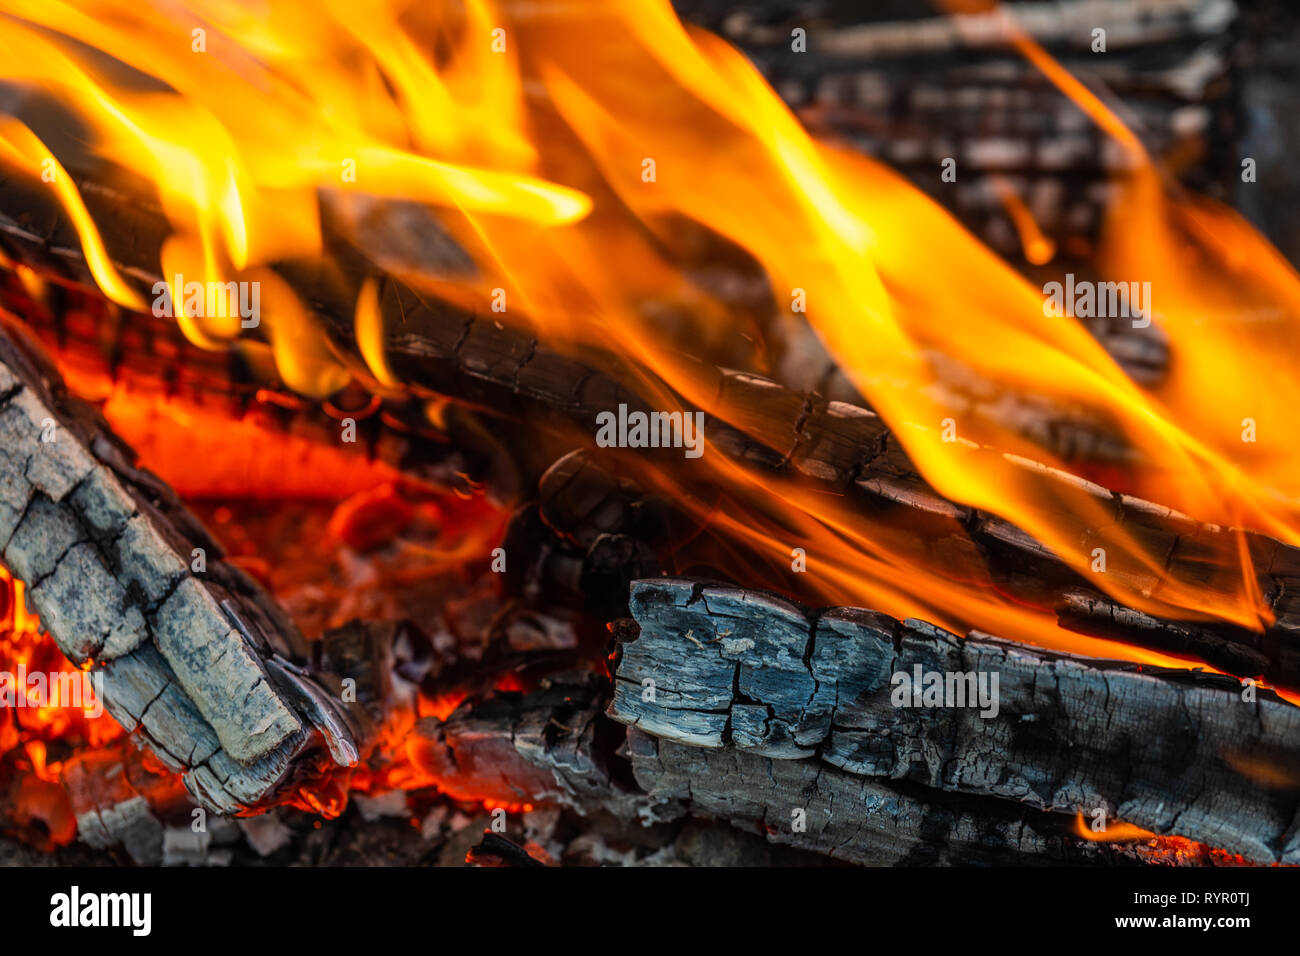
{"x": 561, "y": 146}
{"x": 30, "y": 727}
{"x": 38, "y": 804}
{"x": 1113, "y": 833}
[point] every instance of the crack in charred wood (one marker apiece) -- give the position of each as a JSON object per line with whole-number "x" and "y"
{"x": 101, "y": 553}
{"x": 1170, "y": 751}
{"x": 546, "y": 746}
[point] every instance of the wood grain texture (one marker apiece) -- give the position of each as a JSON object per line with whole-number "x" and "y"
{"x": 1174, "y": 752}
{"x": 198, "y": 664}
{"x": 553, "y": 745}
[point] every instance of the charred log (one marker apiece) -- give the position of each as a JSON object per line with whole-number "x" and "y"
{"x": 151, "y": 358}
{"x": 496, "y": 850}
{"x": 199, "y": 664}
{"x": 1173, "y": 752}
{"x": 554, "y": 746}
{"x": 586, "y": 538}
{"x": 851, "y": 451}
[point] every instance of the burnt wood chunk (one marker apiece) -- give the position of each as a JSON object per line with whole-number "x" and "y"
{"x": 197, "y": 658}
{"x": 540, "y": 747}
{"x": 553, "y": 746}
{"x": 856, "y": 819}
{"x": 1173, "y": 752}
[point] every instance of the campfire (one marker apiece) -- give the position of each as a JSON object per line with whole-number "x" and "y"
{"x": 554, "y": 432}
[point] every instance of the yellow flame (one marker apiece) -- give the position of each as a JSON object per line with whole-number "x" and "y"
{"x": 20, "y": 148}
{"x": 562, "y": 147}
{"x": 370, "y": 333}
{"x": 240, "y": 122}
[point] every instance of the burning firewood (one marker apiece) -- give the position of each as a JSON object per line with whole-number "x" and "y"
{"x": 798, "y": 433}
{"x": 198, "y": 663}
{"x": 671, "y": 337}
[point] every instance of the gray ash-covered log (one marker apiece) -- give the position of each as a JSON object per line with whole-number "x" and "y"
{"x": 198, "y": 663}
{"x": 860, "y": 820}
{"x": 1174, "y": 752}
{"x": 554, "y": 745}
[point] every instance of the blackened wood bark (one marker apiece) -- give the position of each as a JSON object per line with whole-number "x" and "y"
{"x": 586, "y": 538}
{"x": 554, "y": 746}
{"x": 905, "y": 83}
{"x": 852, "y": 452}
{"x": 1174, "y": 752}
{"x": 496, "y": 850}
{"x": 199, "y": 664}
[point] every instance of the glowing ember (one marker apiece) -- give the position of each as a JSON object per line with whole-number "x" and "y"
{"x": 37, "y": 732}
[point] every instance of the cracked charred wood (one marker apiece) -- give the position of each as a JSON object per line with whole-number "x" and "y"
{"x": 555, "y": 746}
{"x": 549, "y": 571}
{"x": 1072, "y": 435}
{"x": 199, "y": 664}
{"x": 1174, "y": 752}
{"x": 816, "y": 807}
{"x": 581, "y": 499}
